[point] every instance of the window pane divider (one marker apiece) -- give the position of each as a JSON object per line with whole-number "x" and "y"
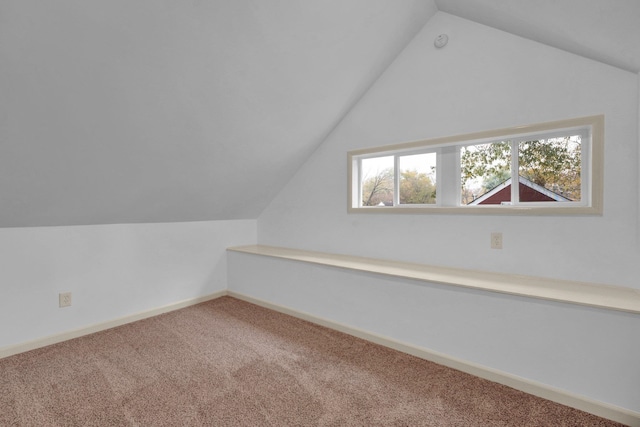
{"x": 515, "y": 172}
{"x": 396, "y": 180}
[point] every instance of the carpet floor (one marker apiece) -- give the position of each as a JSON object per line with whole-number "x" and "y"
{"x": 230, "y": 363}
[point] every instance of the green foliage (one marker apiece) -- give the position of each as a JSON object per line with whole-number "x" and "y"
{"x": 552, "y": 163}
{"x": 484, "y": 160}
{"x": 484, "y": 167}
{"x": 492, "y": 181}
{"x": 416, "y": 188}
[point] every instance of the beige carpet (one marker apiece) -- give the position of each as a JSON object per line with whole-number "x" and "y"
{"x": 227, "y": 362}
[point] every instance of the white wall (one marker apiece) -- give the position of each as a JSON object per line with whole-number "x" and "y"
{"x": 111, "y": 270}
{"x": 483, "y": 79}
{"x": 583, "y": 351}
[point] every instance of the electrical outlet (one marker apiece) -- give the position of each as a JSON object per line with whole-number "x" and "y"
{"x": 64, "y": 299}
{"x": 496, "y": 240}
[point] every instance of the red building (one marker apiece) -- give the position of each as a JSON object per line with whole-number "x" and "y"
{"x": 529, "y": 192}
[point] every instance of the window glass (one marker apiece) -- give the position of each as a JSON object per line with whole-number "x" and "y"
{"x": 418, "y": 179}
{"x": 485, "y": 173}
{"x": 377, "y": 181}
{"x": 551, "y": 169}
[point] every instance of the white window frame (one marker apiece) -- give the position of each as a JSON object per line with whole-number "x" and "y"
{"x": 448, "y": 180}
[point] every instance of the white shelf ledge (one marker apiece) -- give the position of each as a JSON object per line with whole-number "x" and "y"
{"x": 590, "y": 294}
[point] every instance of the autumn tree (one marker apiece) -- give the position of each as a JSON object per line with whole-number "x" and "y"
{"x": 378, "y": 188}
{"x": 495, "y": 179}
{"x": 483, "y": 167}
{"x": 553, "y": 163}
{"x": 416, "y": 188}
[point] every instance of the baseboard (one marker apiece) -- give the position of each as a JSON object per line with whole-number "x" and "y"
{"x": 544, "y": 391}
{"x": 64, "y": 336}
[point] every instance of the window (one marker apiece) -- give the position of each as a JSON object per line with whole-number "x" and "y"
{"x": 548, "y": 168}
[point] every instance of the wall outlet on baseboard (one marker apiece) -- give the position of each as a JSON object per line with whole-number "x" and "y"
{"x": 64, "y": 299}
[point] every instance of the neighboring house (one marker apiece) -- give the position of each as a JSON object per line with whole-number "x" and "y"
{"x": 529, "y": 192}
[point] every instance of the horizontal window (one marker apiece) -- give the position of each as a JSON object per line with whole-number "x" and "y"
{"x": 547, "y": 168}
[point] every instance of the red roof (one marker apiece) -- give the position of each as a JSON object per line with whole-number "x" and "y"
{"x": 529, "y": 192}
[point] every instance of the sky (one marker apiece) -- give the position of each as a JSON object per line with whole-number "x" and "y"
{"x": 423, "y": 163}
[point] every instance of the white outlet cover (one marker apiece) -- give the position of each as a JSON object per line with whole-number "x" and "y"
{"x": 496, "y": 240}
{"x": 64, "y": 299}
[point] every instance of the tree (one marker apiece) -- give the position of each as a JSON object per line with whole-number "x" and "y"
{"x": 378, "y": 188}
{"x": 484, "y": 167}
{"x": 485, "y": 160}
{"x": 553, "y": 163}
{"x": 416, "y": 188}
{"x": 497, "y": 178}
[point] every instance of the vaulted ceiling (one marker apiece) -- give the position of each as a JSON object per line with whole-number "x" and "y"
{"x": 154, "y": 110}
{"x": 604, "y": 30}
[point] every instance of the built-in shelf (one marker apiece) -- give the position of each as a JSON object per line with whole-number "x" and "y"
{"x": 596, "y": 295}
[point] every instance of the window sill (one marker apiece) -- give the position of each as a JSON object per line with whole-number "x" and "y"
{"x": 582, "y": 293}
{"x": 480, "y": 210}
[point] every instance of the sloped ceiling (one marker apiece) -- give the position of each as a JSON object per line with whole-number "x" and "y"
{"x": 604, "y": 30}
{"x": 120, "y": 111}
{"x": 126, "y": 111}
